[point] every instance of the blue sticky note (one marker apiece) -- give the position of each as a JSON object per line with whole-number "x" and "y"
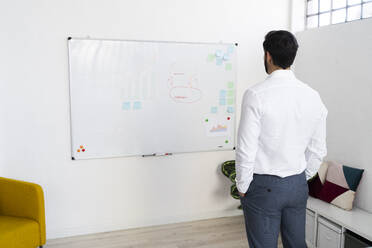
{"x": 222, "y": 101}
{"x": 125, "y": 106}
{"x": 230, "y": 109}
{"x": 230, "y": 49}
{"x": 218, "y": 61}
{"x": 219, "y": 53}
{"x": 213, "y": 110}
{"x": 137, "y": 105}
{"x": 222, "y": 93}
{"x": 226, "y": 56}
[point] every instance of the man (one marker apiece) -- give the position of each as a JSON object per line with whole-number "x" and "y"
{"x": 281, "y": 144}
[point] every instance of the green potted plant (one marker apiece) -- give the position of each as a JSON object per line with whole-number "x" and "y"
{"x": 228, "y": 169}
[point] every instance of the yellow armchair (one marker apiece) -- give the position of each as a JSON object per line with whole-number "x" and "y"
{"x": 22, "y": 214}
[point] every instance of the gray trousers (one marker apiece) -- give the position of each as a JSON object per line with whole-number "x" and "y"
{"x": 272, "y": 204}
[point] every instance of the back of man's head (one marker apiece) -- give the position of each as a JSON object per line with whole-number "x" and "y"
{"x": 282, "y": 46}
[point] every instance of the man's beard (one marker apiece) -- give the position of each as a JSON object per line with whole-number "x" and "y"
{"x": 265, "y": 62}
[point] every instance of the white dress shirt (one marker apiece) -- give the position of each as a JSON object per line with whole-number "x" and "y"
{"x": 282, "y": 129}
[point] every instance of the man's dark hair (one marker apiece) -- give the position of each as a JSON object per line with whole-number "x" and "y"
{"x": 282, "y": 46}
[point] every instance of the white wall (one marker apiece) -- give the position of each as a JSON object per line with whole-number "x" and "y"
{"x": 298, "y": 13}
{"x": 108, "y": 194}
{"x": 336, "y": 60}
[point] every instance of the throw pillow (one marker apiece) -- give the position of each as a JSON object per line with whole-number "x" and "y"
{"x": 316, "y": 183}
{"x": 341, "y": 184}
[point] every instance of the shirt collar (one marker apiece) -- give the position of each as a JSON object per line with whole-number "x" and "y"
{"x": 281, "y": 74}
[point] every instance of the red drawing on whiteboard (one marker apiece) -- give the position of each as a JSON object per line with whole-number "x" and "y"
{"x": 183, "y": 87}
{"x": 185, "y": 94}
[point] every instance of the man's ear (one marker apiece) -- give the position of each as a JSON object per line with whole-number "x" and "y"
{"x": 269, "y": 58}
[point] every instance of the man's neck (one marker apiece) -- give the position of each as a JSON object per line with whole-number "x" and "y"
{"x": 278, "y": 68}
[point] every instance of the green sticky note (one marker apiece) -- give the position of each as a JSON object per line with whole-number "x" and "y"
{"x": 230, "y": 101}
{"x": 230, "y": 84}
{"x": 228, "y": 67}
{"x": 210, "y": 57}
{"x": 230, "y": 93}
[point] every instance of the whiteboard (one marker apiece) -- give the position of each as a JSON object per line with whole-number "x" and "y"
{"x": 146, "y": 97}
{"x": 336, "y": 61}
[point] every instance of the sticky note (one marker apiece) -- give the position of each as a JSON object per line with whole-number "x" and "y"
{"x": 230, "y": 101}
{"x": 230, "y": 109}
{"x": 226, "y": 57}
{"x": 126, "y": 106}
{"x": 222, "y": 93}
{"x": 219, "y": 61}
{"x": 228, "y": 67}
{"x": 230, "y": 84}
{"x": 230, "y": 49}
{"x": 222, "y": 101}
{"x": 214, "y": 110}
{"x": 137, "y": 105}
{"x": 230, "y": 93}
{"x": 219, "y": 53}
{"x": 211, "y": 57}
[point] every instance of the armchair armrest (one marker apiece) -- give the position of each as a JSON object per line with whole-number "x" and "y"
{"x": 23, "y": 199}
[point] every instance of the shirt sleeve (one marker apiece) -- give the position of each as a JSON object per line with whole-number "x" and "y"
{"x": 247, "y": 143}
{"x": 317, "y": 148}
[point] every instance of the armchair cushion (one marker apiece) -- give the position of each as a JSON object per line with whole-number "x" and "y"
{"x": 18, "y": 232}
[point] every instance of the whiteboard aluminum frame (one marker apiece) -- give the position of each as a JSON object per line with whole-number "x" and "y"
{"x": 69, "y": 38}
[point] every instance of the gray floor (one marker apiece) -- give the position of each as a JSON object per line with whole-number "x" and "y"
{"x": 227, "y": 232}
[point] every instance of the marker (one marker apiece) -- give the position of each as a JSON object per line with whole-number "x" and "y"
{"x": 154, "y": 154}
{"x": 149, "y": 155}
{"x": 166, "y": 154}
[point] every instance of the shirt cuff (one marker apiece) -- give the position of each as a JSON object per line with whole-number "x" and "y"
{"x": 243, "y": 186}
